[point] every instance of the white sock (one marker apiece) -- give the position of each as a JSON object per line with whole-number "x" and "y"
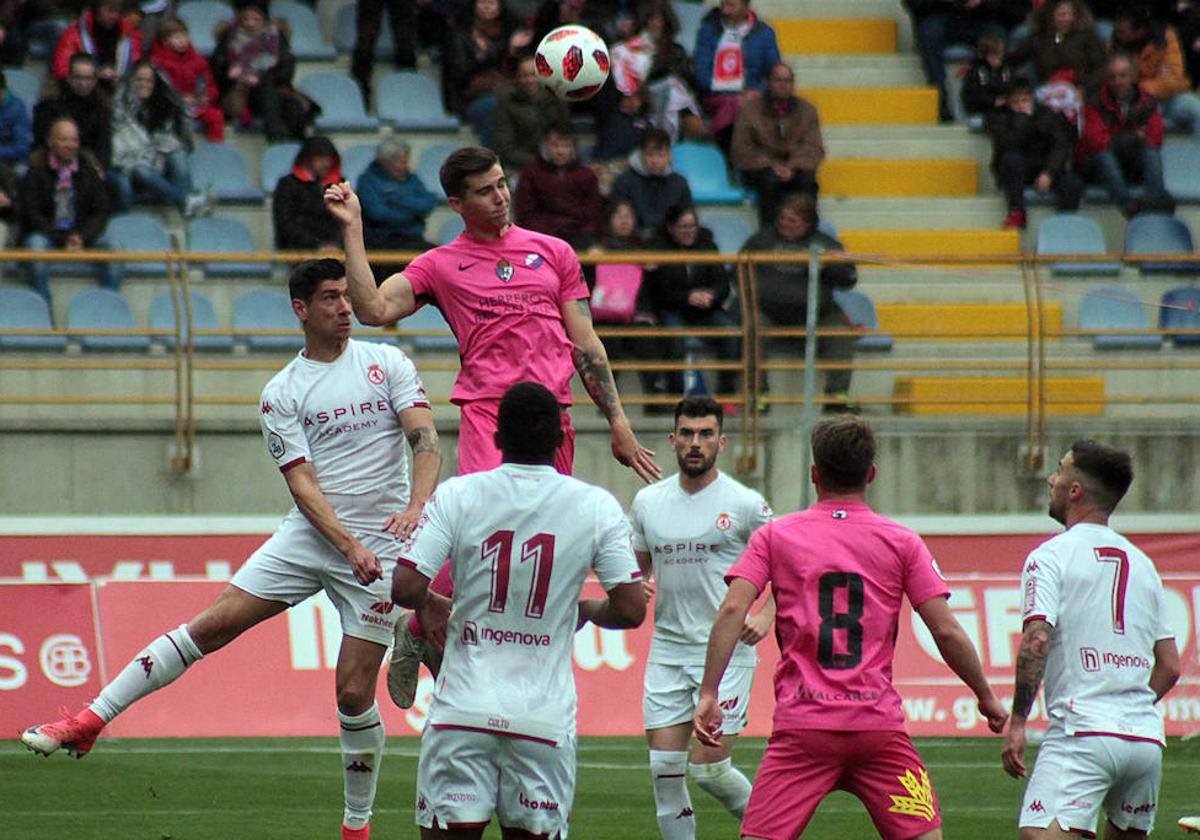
{"x": 673, "y": 805}
{"x": 725, "y": 783}
{"x": 160, "y": 663}
{"x": 362, "y": 738}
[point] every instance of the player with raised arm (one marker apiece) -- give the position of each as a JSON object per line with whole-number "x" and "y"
{"x": 333, "y": 420}
{"x": 522, "y": 539}
{"x": 688, "y": 529}
{"x": 839, "y": 573}
{"x": 1095, "y": 626}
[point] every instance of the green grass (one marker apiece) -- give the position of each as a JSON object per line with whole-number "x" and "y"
{"x": 197, "y": 789}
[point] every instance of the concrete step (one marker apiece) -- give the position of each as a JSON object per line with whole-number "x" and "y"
{"x": 866, "y": 177}
{"x": 816, "y": 36}
{"x": 874, "y": 105}
{"x": 971, "y": 146}
{"x": 857, "y": 70}
{"x": 914, "y": 213}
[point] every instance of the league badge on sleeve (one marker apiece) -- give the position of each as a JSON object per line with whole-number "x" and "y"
{"x": 504, "y": 270}
{"x": 275, "y": 445}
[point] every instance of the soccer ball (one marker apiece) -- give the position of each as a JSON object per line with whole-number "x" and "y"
{"x": 572, "y": 61}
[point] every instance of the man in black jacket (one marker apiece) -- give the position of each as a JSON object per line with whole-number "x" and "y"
{"x": 1032, "y": 144}
{"x": 79, "y": 98}
{"x": 301, "y": 221}
{"x": 650, "y": 184}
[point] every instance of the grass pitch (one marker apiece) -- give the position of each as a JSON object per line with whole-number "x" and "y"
{"x": 253, "y": 789}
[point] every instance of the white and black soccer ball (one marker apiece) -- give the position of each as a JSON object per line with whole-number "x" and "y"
{"x": 572, "y": 62}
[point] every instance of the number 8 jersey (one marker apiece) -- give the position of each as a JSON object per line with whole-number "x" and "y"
{"x": 521, "y": 540}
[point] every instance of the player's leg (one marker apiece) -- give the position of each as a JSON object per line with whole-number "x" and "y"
{"x": 887, "y": 774}
{"x": 1067, "y": 788}
{"x": 361, "y": 734}
{"x": 799, "y": 768}
{"x": 537, "y": 787}
{"x": 458, "y": 777}
{"x": 667, "y": 709}
{"x": 1132, "y": 799}
{"x": 564, "y": 456}
{"x": 712, "y": 767}
{"x": 477, "y": 450}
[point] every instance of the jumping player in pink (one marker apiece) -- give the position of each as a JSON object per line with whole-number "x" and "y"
{"x": 839, "y": 572}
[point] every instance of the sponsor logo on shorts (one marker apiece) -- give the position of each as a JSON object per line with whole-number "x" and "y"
{"x": 1036, "y": 807}
{"x": 919, "y": 801}
{"x": 460, "y": 796}
{"x": 377, "y": 617}
{"x": 382, "y": 607}
{"x": 1144, "y": 808}
{"x": 275, "y": 445}
{"x": 803, "y": 693}
{"x": 536, "y": 804}
{"x": 1084, "y": 804}
{"x": 724, "y": 521}
{"x": 375, "y": 375}
{"x": 499, "y": 723}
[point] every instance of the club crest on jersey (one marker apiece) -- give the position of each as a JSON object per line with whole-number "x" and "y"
{"x": 724, "y": 522}
{"x": 504, "y": 270}
{"x": 375, "y": 375}
{"x": 534, "y": 260}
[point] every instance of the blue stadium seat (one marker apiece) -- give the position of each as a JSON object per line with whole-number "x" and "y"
{"x": 104, "y": 309}
{"x": 305, "y": 38}
{"x": 429, "y": 164}
{"x": 219, "y": 167}
{"x": 1181, "y": 311}
{"x": 224, "y": 235}
{"x": 411, "y": 101}
{"x": 267, "y": 309}
{"x": 24, "y": 85}
{"x": 26, "y": 310}
{"x": 1071, "y": 233}
{"x": 344, "y": 33}
{"x": 41, "y": 36}
{"x": 204, "y": 317}
{"x": 341, "y": 102}
{"x": 276, "y": 162}
{"x": 860, "y": 311}
{"x": 429, "y": 317}
{"x": 202, "y": 17}
{"x": 362, "y": 332}
{"x": 450, "y": 229}
{"x": 828, "y": 228}
{"x": 706, "y": 174}
{"x": 1116, "y": 308}
{"x": 1158, "y": 233}
{"x": 690, "y": 15}
{"x": 1181, "y": 169}
{"x": 730, "y": 232}
{"x": 356, "y": 159}
{"x": 140, "y": 232}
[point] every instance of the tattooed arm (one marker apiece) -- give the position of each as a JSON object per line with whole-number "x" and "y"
{"x": 426, "y": 464}
{"x": 1031, "y": 665}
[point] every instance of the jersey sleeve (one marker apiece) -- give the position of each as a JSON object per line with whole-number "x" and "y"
{"x": 1040, "y": 587}
{"x": 431, "y": 543}
{"x": 614, "y": 562}
{"x": 758, "y": 512}
{"x": 637, "y": 523}
{"x": 571, "y": 285}
{"x": 421, "y": 273}
{"x": 922, "y": 579}
{"x": 405, "y": 386}
{"x": 1164, "y": 629}
{"x": 282, "y": 430}
{"x": 755, "y": 563}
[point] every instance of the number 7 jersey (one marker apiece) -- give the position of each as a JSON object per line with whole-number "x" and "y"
{"x": 521, "y": 540}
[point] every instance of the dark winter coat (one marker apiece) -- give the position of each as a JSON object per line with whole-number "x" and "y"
{"x": 561, "y": 201}
{"x": 667, "y": 287}
{"x": 783, "y": 287}
{"x": 652, "y": 195}
{"x": 301, "y": 220}
{"x": 1045, "y": 136}
{"x": 93, "y": 115}
{"x": 35, "y": 200}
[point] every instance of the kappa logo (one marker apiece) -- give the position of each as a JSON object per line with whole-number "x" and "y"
{"x": 685, "y": 813}
{"x": 724, "y": 521}
{"x": 266, "y": 407}
{"x": 1036, "y": 807}
{"x": 382, "y": 607}
{"x": 1032, "y": 567}
{"x": 358, "y": 767}
{"x": 729, "y": 705}
{"x": 504, "y": 270}
{"x": 147, "y": 664}
{"x": 375, "y": 375}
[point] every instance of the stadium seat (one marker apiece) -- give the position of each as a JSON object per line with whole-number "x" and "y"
{"x": 706, "y": 174}
{"x": 276, "y": 162}
{"x": 341, "y": 102}
{"x": 690, "y": 15}
{"x": 140, "y": 232}
{"x": 344, "y": 33}
{"x": 1181, "y": 170}
{"x": 104, "y": 309}
{"x": 224, "y": 235}
{"x": 1116, "y": 308}
{"x": 267, "y": 309}
{"x": 429, "y": 317}
{"x": 860, "y": 311}
{"x": 27, "y": 310}
{"x": 362, "y": 332}
{"x": 828, "y": 228}
{"x": 305, "y": 38}
{"x": 217, "y": 166}
{"x": 411, "y": 101}
{"x": 1158, "y": 233}
{"x": 355, "y": 161}
{"x": 1181, "y": 311}
{"x": 429, "y": 165}
{"x": 204, "y": 317}
{"x": 450, "y": 229}
{"x": 202, "y": 17}
{"x": 24, "y": 85}
{"x": 1071, "y": 233}
{"x": 41, "y": 36}
{"x": 730, "y": 232}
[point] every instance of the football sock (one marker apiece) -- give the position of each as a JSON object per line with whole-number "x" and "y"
{"x": 724, "y": 782}
{"x": 361, "y": 738}
{"x": 160, "y": 663}
{"x": 673, "y": 805}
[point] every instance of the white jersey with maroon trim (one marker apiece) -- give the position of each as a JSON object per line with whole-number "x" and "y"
{"x": 693, "y": 539}
{"x": 1105, "y": 600}
{"x": 344, "y": 418}
{"x": 521, "y": 540}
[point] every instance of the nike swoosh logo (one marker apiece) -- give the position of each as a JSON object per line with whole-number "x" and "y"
{"x": 462, "y": 267}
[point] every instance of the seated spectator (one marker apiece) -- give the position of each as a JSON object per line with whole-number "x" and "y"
{"x": 1032, "y": 144}
{"x": 734, "y": 54}
{"x": 395, "y": 203}
{"x": 620, "y": 133}
{"x": 601, "y": 16}
{"x": 620, "y": 231}
{"x": 691, "y": 295}
{"x": 8, "y": 204}
{"x": 15, "y": 18}
{"x": 777, "y": 144}
{"x": 1122, "y": 139}
{"x": 62, "y": 204}
{"x": 986, "y": 85}
{"x": 79, "y": 98}
{"x": 1187, "y": 24}
{"x": 16, "y": 128}
{"x": 152, "y": 136}
{"x": 1063, "y": 45}
{"x": 1159, "y": 61}
{"x": 650, "y": 185}
{"x": 253, "y": 65}
{"x": 558, "y": 195}
{"x": 521, "y": 118}
{"x": 301, "y": 221}
{"x": 191, "y": 76}
{"x": 114, "y": 42}
{"x": 783, "y": 290}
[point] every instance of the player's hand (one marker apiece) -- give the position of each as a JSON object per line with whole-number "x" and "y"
{"x": 364, "y": 564}
{"x": 434, "y": 615}
{"x": 403, "y": 524}
{"x": 755, "y": 628}
{"x": 992, "y": 709}
{"x": 648, "y": 588}
{"x": 627, "y": 451}
{"x": 1013, "y": 754}
{"x": 706, "y": 723}
{"x": 343, "y": 204}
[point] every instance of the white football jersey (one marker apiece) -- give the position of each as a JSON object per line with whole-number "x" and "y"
{"x": 693, "y": 539}
{"x": 1104, "y": 599}
{"x": 521, "y": 540}
{"x": 344, "y": 418}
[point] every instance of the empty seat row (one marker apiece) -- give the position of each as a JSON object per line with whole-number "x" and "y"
{"x": 1148, "y": 233}
{"x": 139, "y": 232}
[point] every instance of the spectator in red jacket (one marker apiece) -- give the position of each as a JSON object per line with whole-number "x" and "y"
{"x": 174, "y": 55}
{"x": 557, "y": 194}
{"x": 116, "y": 43}
{"x": 1122, "y": 139}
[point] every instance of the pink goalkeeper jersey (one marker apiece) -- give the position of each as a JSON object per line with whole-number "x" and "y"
{"x": 503, "y": 300}
{"x": 838, "y": 571}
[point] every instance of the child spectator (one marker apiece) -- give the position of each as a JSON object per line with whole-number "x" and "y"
{"x": 988, "y": 78}
{"x": 650, "y": 185}
{"x": 189, "y": 72}
{"x": 16, "y": 129}
{"x": 558, "y": 195}
{"x": 102, "y": 33}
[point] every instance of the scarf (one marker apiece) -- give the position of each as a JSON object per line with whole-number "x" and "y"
{"x": 729, "y": 72}
{"x": 64, "y": 193}
{"x": 256, "y": 52}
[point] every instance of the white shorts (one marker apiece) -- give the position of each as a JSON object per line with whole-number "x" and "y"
{"x": 297, "y": 562}
{"x": 670, "y": 694}
{"x": 464, "y": 776}
{"x": 1075, "y": 776}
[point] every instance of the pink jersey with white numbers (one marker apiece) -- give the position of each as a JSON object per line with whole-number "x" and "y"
{"x": 503, "y": 300}
{"x": 839, "y": 572}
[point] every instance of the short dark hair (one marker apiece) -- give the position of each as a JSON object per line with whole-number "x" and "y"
{"x": 1020, "y": 84}
{"x": 700, "y": 406}
{"x": 461, "y": 165}
{"x": 676, "y": 212}
{"x": 1108, "y": 471}
{"x": 81, "y": 57}
{"x": 843, "y": 452}
{"x": 1139, "y": 14}
{"x": 989, "y": 45}
{"x": 803, "y": 206}
{"x": 561, "y": 128}
{"x": 655, "y": 138}
{"x": 529, "y": 426}
{"x": 306, "y": 277}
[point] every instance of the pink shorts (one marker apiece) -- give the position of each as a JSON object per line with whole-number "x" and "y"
{"x": 801, "y": 766}
{"x": 476, "y": 438}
